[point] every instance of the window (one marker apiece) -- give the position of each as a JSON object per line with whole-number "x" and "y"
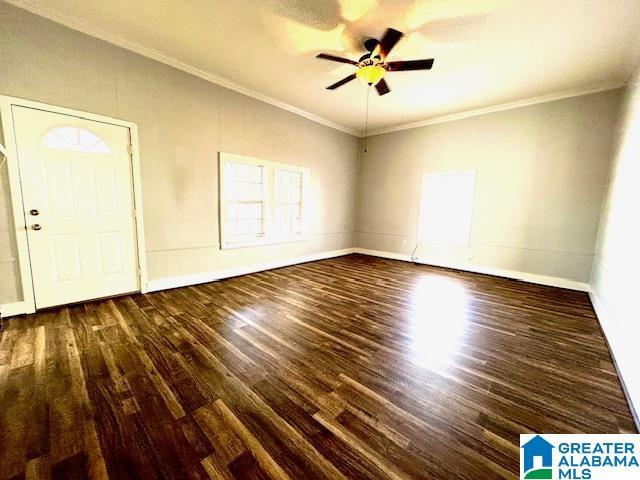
{"x": 74, "y": 138}
{"x": 245, "y": 205}
{"x": 288, "y": 202}
{"x": 447, "y": 207}
{"x": 261, "y": 202}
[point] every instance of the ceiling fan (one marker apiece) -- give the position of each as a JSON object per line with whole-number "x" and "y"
{"x": 373, "y": 66}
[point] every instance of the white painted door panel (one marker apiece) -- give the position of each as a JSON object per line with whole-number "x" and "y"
{"x": 77, "y": 174}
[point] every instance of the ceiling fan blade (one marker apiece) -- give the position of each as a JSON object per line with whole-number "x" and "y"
{"x": 382, "y": 87}
{"x": 404, "y": 65}
{"x": 327, "y": 56}
{"x": 388, "y": 41}
{"x": 342, "y": 82}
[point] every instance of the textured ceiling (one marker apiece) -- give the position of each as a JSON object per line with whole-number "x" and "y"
{"x": 487, "y": 52}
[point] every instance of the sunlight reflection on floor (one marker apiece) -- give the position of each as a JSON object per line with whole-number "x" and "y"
{"x": 437, "y": 321}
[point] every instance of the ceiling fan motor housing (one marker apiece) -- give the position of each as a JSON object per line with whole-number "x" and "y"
{"x": 370, "y": 44}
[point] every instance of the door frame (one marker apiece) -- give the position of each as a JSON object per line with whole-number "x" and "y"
{"x": 28, "y": 305}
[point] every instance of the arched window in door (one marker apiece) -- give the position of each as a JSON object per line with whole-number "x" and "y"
{"x": 76, "y": 139}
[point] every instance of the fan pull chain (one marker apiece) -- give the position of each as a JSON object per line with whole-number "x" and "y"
{"x": 366, "y": 119}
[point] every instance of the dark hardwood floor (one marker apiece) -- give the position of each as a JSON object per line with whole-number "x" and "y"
{"x": 354, "y": 367}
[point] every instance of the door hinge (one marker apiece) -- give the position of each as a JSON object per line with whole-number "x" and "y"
{"x": 130, "y": 149}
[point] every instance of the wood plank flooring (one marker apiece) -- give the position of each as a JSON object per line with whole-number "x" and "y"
{"x": 353, "y": 367}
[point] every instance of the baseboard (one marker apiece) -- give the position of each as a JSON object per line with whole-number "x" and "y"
{"x": 13, "y": 309}
{"x": 205, "y": 277}
{"x": 383, "y": 254}
{"x": 498, "y": 272}
{"x": 605, "y": 319}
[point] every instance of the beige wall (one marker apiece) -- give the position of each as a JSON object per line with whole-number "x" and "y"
{"x": 617, "y": 260}
{"x": 183, "y": 122}
{"x": 541, "y": 174}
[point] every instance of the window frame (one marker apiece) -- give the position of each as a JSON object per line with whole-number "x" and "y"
{"x": 270, "y": 235}
{"x": 421, "y": 236}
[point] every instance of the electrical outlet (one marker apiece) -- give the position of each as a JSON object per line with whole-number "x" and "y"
{"x": 404, "y": 242}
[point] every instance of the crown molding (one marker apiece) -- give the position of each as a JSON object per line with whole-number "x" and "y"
{"x": 503, "y": 106}
{"x": 93, "y": 31}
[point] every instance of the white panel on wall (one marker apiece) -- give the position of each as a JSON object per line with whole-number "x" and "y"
{"x": 617, "y": 259}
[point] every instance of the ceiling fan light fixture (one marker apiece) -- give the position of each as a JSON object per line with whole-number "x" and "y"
{"x": 370, "y": 74}
{"x": 372, "y": 66}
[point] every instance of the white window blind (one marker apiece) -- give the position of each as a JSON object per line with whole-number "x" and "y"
{"x": 446, "y": 208}
{"x": 261, "y": 202}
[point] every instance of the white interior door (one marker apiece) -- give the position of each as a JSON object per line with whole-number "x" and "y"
{"x": 78, "y": 198}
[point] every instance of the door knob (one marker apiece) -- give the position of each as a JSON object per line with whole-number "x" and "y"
{"x": 34, "y": 212}
{"x": 36, "y": 226}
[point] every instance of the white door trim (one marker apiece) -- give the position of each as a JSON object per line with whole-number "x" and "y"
{"x": 7, "y": 125}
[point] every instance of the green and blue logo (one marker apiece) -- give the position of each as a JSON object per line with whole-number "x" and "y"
{"x": 580, "y": 457}
{"x": 537, "y": 459}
